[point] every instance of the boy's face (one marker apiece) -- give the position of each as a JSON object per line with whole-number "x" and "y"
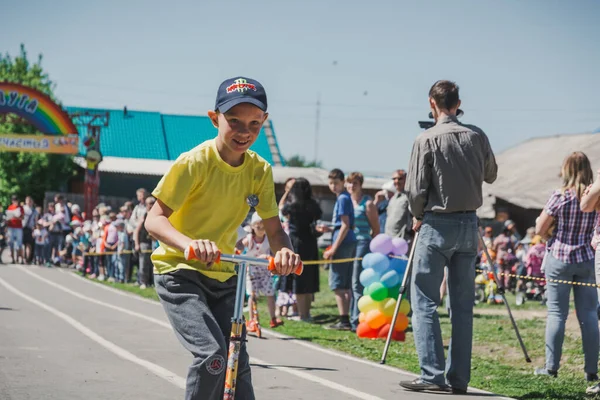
{"x": 336, "y": 185}
{"x": 239, "y": 127}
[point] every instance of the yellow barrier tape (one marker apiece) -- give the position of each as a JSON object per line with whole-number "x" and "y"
{"x": 347, "y": 260}
{"x": 107, "y": 253}
{"x": 549, "y": 280}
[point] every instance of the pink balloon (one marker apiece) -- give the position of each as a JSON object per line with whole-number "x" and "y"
{"x": 400, "y": 246}
{"x": 381, "y": 243}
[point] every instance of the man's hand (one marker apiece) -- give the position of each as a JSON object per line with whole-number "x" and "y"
{"x": 137, "y": 247}
{"x": 205, "y": 250}
{"x": 286, "y": 261}
{"x": 416, "y": 224}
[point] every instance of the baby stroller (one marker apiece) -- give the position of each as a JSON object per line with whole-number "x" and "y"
{"x": 535, "y": 288}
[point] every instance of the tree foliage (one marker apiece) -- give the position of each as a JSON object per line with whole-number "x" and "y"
{"x": 29, "y": 173}
{"x": 299, "y": 161}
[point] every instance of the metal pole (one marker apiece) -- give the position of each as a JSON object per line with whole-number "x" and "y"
{"x": 317, "y": 126}
{"x": 235, "y": 340}
{"x": 501, "y": 291}
{"x": 403, "y": 287}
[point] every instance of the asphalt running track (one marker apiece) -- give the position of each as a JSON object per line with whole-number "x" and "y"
{"x": 65, "y": 337}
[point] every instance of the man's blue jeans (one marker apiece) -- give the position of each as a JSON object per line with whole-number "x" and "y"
{"x": 445, "y": 240}
{"x": 586, "y": 303}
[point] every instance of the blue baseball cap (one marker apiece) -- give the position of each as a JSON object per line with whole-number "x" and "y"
{"x": 239, "y": 90}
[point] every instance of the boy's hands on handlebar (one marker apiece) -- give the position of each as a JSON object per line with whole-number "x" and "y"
{"x": 286, "y": 261}
{"x": 205, "y": 250}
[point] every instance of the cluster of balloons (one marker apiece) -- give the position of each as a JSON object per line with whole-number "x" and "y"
{"x": 381, "y": 277}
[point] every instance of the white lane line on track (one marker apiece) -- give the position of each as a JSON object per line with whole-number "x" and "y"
{"x": 303, "y": 343}
{"x": 113, "y": 290}
{"x": 87, "y": 298}
{"x": 316, "y": 379}
{"x": 278, "y": 335}
{"x": 291, "y": 371}
{"x": 113, "y": 348}
{"x": 268, "y": 331}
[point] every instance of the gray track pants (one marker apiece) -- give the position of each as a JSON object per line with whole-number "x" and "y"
{"x": 200, "y": 310}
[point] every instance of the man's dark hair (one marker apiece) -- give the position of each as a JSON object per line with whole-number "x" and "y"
{"x": 445, "y": 94}
{"x": 336, "y": 173}
{"x": 14, "y": 197}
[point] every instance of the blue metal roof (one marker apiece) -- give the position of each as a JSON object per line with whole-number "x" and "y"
{"x": 152, "y": 135}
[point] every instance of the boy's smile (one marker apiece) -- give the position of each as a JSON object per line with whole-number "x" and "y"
{"x": 238, "y": 129}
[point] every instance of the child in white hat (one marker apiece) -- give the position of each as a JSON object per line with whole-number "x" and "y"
{"x": 258, "y": 279}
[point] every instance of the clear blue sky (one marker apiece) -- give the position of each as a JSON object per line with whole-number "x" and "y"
{"x": 525, "y": 68}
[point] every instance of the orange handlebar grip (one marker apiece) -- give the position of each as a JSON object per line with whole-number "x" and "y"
{"x": 271, "y": 267}
{"x": 190, "y": 254}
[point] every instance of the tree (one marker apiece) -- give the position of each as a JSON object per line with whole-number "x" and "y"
{"x": 30, "y": 174}
{"x": 299, "y": 161}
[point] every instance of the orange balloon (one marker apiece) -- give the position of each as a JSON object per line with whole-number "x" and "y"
{"x": 401, "y": 323}
{"x": 385, "y": 330}
{"x": 364, "y": 331}
{"x": 362, "y": 317}
{"x": 375, "y": 319}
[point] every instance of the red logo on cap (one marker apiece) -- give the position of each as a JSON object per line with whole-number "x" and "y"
{"x": 240, "y": 85}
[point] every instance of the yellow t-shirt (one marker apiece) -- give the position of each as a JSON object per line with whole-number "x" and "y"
{"x": 209, "y": 201}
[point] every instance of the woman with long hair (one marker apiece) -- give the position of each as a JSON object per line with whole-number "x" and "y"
{"x": 302, "y": 212}
{"x": 570, "y": 258}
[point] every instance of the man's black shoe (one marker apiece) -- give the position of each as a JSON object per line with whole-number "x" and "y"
{"x": 459, "y": 391}
{"x": 418, "y": 385}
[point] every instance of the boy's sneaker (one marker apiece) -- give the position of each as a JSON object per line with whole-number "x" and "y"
{"x": 275, "y": 322}
{"x": 142, "y": 286}
{"x": 340, "y": 326}
{"x": 111, "y": 280}
{"x": 101, "y": 278}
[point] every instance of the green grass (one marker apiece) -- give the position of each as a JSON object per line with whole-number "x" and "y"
{"x": 497, "y": 363}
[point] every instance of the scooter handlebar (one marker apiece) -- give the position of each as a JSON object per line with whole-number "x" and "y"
{"x": 269, "y": 262}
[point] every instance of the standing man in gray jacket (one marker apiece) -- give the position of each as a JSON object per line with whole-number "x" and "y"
{"x": 448, "y": 166}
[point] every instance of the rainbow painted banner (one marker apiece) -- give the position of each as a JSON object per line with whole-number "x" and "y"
{"x": 35, "y": 107}
{"x": 60, "y": 134}
{"x": 17, "y": 142}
